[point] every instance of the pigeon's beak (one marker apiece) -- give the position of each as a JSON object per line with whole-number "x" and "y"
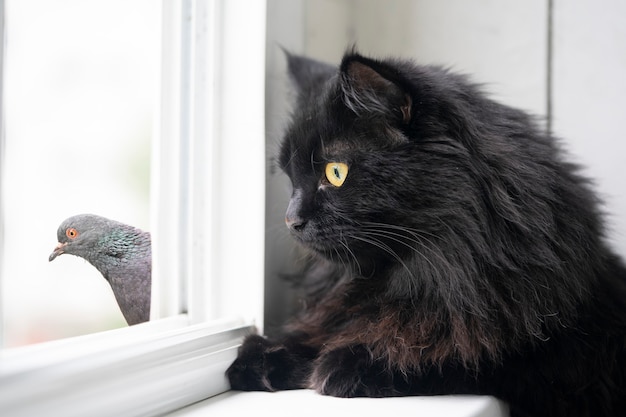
{"x": 59, "y": 250}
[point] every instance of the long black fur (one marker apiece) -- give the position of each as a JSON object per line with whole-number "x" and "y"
{"x": 463, "y": 254}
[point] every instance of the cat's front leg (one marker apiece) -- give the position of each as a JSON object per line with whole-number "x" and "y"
{"x": 264, "y": 365}
{"x": 352, "y": 371}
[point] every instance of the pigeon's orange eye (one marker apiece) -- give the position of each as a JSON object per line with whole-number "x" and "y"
{"x": 71, "y": 233}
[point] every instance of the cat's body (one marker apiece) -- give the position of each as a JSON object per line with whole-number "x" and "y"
{"x": 455, "y": 250}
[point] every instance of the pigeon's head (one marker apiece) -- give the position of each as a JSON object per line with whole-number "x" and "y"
{"x": 79, "y": 235}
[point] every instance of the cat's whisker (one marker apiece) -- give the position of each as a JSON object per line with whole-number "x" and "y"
{"x": 418, "y": 236}
{"x": 403, "y": 243}
{"x": 352, "y": 255}
{"x": 342, "y": 256}
{"x": 398, "y": 238}
{"x": 400, "y": 227}
{"x": 381, "y": 245}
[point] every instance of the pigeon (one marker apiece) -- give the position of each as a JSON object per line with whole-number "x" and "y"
{"x": 121, "y": 253}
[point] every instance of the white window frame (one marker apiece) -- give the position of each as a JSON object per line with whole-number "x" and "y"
{"x": 208, "y": 233}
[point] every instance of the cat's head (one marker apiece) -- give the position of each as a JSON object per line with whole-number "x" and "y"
{"x": 370, "y": 172}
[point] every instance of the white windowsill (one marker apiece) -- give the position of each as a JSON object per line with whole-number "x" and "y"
{"x": 303, "y": 403}
{"x": 144, "y": 370}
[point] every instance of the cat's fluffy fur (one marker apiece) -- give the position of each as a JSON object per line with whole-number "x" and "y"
{"x": 463, "y": 253}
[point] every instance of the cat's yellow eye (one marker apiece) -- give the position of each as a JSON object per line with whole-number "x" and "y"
{"x": 336, "y": 173}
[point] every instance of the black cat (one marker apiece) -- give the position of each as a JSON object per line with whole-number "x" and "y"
{"x": 454, "y": 250}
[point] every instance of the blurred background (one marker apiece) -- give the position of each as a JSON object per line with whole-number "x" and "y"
{"x": 80, "y": 90}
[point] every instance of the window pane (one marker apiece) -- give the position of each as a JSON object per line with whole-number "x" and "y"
{"x": 80, "y": 83}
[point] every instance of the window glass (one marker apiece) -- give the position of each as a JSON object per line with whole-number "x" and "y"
{"x": 80, "y": 91}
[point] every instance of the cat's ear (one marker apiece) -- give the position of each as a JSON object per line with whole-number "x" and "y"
{"x": 367, "y": 91}
{"x": 308, "y": 75}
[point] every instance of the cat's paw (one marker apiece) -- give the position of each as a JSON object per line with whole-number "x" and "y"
{"x": 351, "y": 372}
{"x": 256, "y": 361}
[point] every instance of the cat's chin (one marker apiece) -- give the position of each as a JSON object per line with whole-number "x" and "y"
{"x": 328, "y": 252}
{"x": 345, "y": 258}
{"x": 315, "y": 244}
{"x": 324, "y": 251}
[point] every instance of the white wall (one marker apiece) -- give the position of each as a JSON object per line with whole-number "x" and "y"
{"x": 590, "y": 97}
{"x": 499, "y": 42}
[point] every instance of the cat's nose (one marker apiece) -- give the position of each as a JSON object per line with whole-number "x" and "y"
{"x": 293, "y": 220}
{"x": 295, "y": 223}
